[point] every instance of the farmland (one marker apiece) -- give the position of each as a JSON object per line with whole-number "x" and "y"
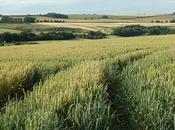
{"x": 104, "y": 25}
{"x": 87, "y": 22}
{"x": 106, "y": 83}
{"x": 113, "y": 83}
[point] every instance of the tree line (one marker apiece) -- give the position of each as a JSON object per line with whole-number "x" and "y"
{"x": 164, "y": 21}
{"x": 138, "y": 30}
{"x": 8, "y": 19}
{"x": 50, "y": 21}
{"x": 93, "y": 35}
{"x": 29, "y": 36}
{"x": 54, "y": 35}
{"x": 55, "y": 15}
{"x": 126, "y": 31}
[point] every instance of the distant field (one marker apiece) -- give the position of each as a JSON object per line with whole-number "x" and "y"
{"x": 36, "y": 28}
{"x": 104, "y": 27}
{"x": 95, "y": 16}
{"x": 21, "y": 26}
{"x": 157, "y": 18}
{"x": 9, "y": 30}
{"x": 81, "y": 26}
{"x": 89, "y": 16}
{"x": 46, "y": 18}
{"x": 96, "y": 24}
{"x": 143, "y": 18}
{"x": 86, "y": 17}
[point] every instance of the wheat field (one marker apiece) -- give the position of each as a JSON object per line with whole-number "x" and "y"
{"x": 109, "y": 84}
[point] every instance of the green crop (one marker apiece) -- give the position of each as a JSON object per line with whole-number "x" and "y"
{"x": 116, "y": 83}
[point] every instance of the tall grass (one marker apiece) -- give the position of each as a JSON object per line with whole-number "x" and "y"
{"x": 82, "y": 84}
{"x": 48, "y": 59}
{"x": 77, "y": 98}
{"x": 16, "y": 81}
{"x": 147, "y": 92}
{"x": 73, "y": 99}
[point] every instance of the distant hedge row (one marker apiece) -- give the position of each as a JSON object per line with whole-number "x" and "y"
{"x": 27, "y": 19}
{"x": 93, "y": 35}
{"x": 137, "y": 30}
{"x": 54, "y": 35}
{"x": 29, "y": 36}
{"x": 55, "y": 15}
{"x": 50, "y": 21}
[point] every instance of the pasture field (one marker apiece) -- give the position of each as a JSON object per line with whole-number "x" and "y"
{"x": 95, "y": 16}
{"x": 9, "y": 30}
{"x": 86, "y": 16}
{"x": 5, "y": 27}
{"x": 158, "y": 17}
{"x": 78, "y": 27}
{"x": 38, "y": 28}
{"x": 108, "y": 84}
{"x": 87, "y": 22}
{"x": 103, "y": 26}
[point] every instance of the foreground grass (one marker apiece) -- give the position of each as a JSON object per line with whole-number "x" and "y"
{"x": 9, "y": 30}
{"x": 73, "y": 99}
{"x": 147, "y": 91}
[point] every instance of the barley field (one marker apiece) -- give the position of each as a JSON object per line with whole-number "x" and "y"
{"x": 109, "y": 84}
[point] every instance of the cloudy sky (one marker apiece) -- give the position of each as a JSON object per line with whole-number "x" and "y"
{"x": 86, "y": 6}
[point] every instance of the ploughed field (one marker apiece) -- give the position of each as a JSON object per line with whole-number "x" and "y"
{"x": 109, "y": 84}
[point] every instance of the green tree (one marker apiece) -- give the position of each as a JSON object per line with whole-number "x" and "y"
{"x": 7, "y": 19}
{"x": 29, "y": 20}
{"x": 105, "y": 17}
